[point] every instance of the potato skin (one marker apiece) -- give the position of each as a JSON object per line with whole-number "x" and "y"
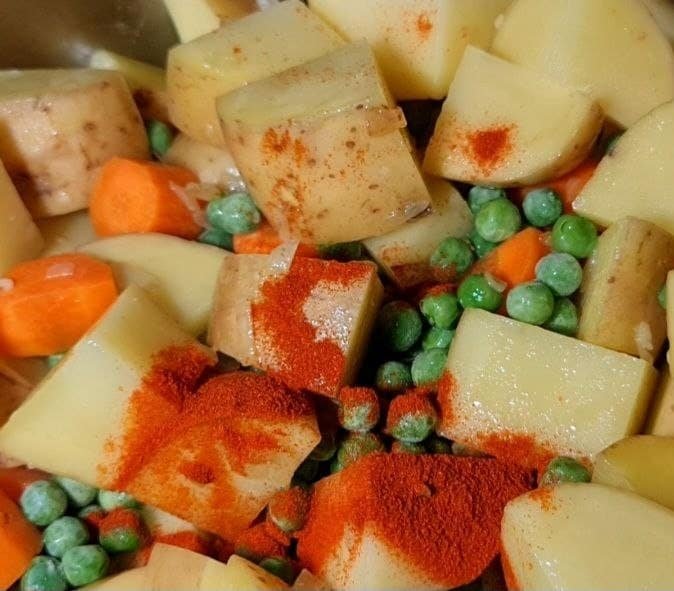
{"x": 59, "y": 127}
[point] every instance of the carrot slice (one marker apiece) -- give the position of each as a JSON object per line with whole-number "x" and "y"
{"x": 264, "y": 240}
{"x": 19, "y": 542}
{"x": 13, "y": 481}
{"x": 514, "y": 261}
{"x": 135, "y": 196}
{"x": 52, "y": 303}
{"x": 568, "y": 187}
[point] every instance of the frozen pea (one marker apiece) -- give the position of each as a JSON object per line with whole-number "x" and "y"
{"x": 279, "y": 567}
{"x": 498, "y": 220}
{"x": 405, "y": 447}
{"x": 441, "y": 310}
{"x": 437, "y": 338}
{"x": 354, "y": 447}
{"x": 478, "y": 197}
{"x": 44, "y": 574}
{"x": 217, "y": 237}
{"x": 235, "y": 213}
{"x": 393, "y": 376}
{"x": 561, "y": 272}
{"x": 63, "y": 534}
{"x": 110, "y": 499}
{"x": 325, "y": 449}
{"x": 532, "y": 303}
{"x": 574, "y": 235}
{"x": 453, "y": 256}
{"x": 564, "y": 469}
{"x": 542, "y": 207}
{"x": 428, "y": 365}
{"x": 79, "y": 494}
{"x": 85, "y": 564}
{"x": 160, "y": 137}
{"x": 400, "y": 326}
{"x": 43, "y": 501}
{"x": 564, "y": 319}
{"x": 476, "y": 291}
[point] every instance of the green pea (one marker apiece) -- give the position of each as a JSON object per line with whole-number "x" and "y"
{"x": 563, "y": 469}
{"x": 90, "y": 510}
{"x": 109, "y": 500}
{"x": 288, "y": 509}
{"x": 393, "y": 376}
{"x": 306, "y": 473}
{"x": 343, "y": 251}
{"x": 532, "y": 303}
{"x": 217, "y": 237}
{"x": 612, "y": 144}
{"x": 124, "y": 537}
{"x": 437, "y": 338}
{"x": 438, "y": 445}
{"x": 326, "y": 448}
{"x": 85, "y": 564}
{"x": 405, "y": 447}
{"x": 359, "y": 414}
{"x": 236, "y": 214}
{"x": 575, "y": 235}
{"x": 44, "y": 574}
{"x": 279, "y": 567}
{"x": 542, "y": 207}
{"x": 441, "y": 310}
{"x": 561, "y": 272}
{"x": 564, "y": 319}
{"x": 160, "y": 137}
{"x": 481, "y": 246}
{"x": 43, "y": 502}
{"x": 63, "y": 534}
{"x": 498, "y": 220}
{"x": 79, "y": 494}
{"x": 414, "y": 426}
{"x": 476, "y": 291}
{"x": 478, "y": 197}
{"x": 428, "y": 365}
{"x": 400, "y": 326}
{"x": 354, "y": 447}
{"x": 453, "y": 256}
{"x": 54, "y": 360}
{"x": 662, "y": 296}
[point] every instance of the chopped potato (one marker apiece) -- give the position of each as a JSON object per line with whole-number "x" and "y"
{"x": 243, "y": 575}
{"x": 66, "y": 233}
{"x": 611, "y": 49}
{"x": 636, "y": 177}
{"x": 240, "y": 52}
{"x": 661, "y": 414}
{"x": 305, "y": 581}
{"x": 643, "y": 464}
{"x": 418, "y": 45}
{"x": 405, "y": 253}
{"x": 199, "y": 17}
{"x": 669, "y": 301}
{"x": 179, "y": 275}
{"x": 524, "y": 130}
{"x": 58, "y": 127}
{"x": 147, "y": 82}
{"x": 20, "y": 238}
{"x": 195, "y": 571}
{"x": 509, "y": 381}
{"x": 619, "y": 306}
{"x": 576, "y": 537}
{"x": 323, "y": 151}
{"x": 213, "y": 166}
{"x": 130, "y": 580}
{"x": 663, "y": 13}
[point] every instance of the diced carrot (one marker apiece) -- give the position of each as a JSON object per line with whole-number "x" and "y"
{"x": 140, "y": 196}
{"x": 52, "y": 303}
{"x": 13, "y": 481}
{"x": 264, "y": 240}
{"x": 569, "y": 186}
{"x": 19, "y": 542}
{"x": 514, "y": 261}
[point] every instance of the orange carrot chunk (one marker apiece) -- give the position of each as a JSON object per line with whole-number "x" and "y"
{"x": 51, "y": 302}
{"x": 569, "y": 186}
{"x": 264, "y": 240}
{"x": 514, "y": 261}
{"x": 136, "y": 196}
{"x": 19, "y": 542}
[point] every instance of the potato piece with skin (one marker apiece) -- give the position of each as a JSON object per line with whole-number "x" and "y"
{"x": 58, "y": 127}
{"x": 213, "y": 166}
{"x": 147, "y": 82}
{"x": 199, "y": 17}
{"x": 404, "y": 254}
{"x": 237, "y": 54}
{"x": 512, "y": 388}
{"x": 575, "y": 537}
{"x": 619, "y": 306}
{"x": 179, "y": 275}
{"x": 130, "y": 580}
{"x": 193, "y": 572}
{"x": 635, "y": 178}
{"x": 323, "y": 151}
{"x": 18, "y": 377}
{"x": 663, "y": 13}
{"x": 611, "y": 49}
{"x": 326, "y": 306}
{"x": 643, "y": 464}
{"x": 58, "y": 429}
{"x": 20, "y": 238}
{"x": 66, "y": 233}
{"x": 661, "y": 414}
{"x": 243, "y": 575}
{"x": 524, "y": 130}
{"x": 419, "y": 45}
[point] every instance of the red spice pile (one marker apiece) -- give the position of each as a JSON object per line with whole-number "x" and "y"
{"x": 414, "y": 402}
{"x": 256, "y": 544}
{"x": 440, "y": 514}
{"x": 281, "y": 328}
{"x": 489, "y": 148}
{"x": 291, "y": 505}
{"x": 121, "y": 519}
{"x": 351, "y": 399}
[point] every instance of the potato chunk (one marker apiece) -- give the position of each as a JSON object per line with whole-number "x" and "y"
{"x": 611, "y": 49}
{"x": 575, "y": 537}
{"x": 663, "y": 13}
{"x": 405, "y": 253}
{"x": 66, "y": 233}
{"x": 240, "y": 52}
{"x": 418, "y": 45}
{"x": 524, "y": 130}
{"x": 269, "y": 317}
{"x": 199, "y": 17}
{"x": 619, "y": 306}
{"x": 661, "y": 413}
{"x": 20, "y": 238}
{"x": 512, "y": 388}
{"x": 58, "y": 127}
{"x": 322, "y": 149}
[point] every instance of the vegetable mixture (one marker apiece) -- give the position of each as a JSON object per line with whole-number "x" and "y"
{"x": 354, "y": 295}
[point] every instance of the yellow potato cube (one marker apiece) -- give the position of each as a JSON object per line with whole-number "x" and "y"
{"x": 199, "y": 17}
{"x": 66, "y": 233}
{"x": 661, "y": 413}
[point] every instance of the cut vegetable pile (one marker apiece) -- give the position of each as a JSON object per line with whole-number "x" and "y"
{"x": 366, "y": 295}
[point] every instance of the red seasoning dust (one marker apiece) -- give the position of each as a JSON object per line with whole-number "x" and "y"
{"x": 489, "y": 148}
